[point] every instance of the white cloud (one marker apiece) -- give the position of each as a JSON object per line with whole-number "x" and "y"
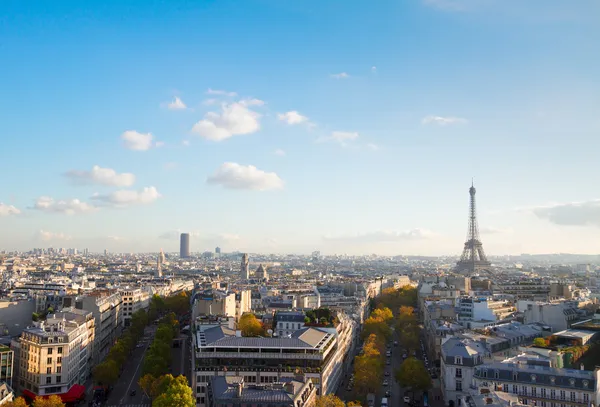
{"x": 134, "y": 140}
{"x": 292, "y": 117}
{"x": 341, "y": 137}
{"x": 494, "y": 231}
{"x": 170, "y": 165}
{"x": 47, "y": 236}
{"x": 279, "y": 152}
{"x": 115, "y": 238}
{"x": 229, "y": 237}
{"x": 384, "y": 236}
{"x": 185, "y": 143}
{"x": 220, "y": 92}
{"x": 252, "y": 102}
{"x": 443, "y": 121}
{"x": 7, "y": 210}
{"x": 585, "y": 213}
{"x": 341, "y": 75}
{"x": 234, "y": 119}
{"x": 177, "y": 104}
{"x": 372, "y": 147}
{"x": 374, "y": 69}
{"x": 68, "y": 207}
{"x": 125, "y": 197}
{"x": 101, "y": 176}
{"x": 236, "y": 176}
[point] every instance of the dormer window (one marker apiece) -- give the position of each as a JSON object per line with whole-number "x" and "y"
{"x": 585, "y": 383}
{"x": 552, "y": 379}
{"x": 572, "y": 382}
{"x": 533, "y": 377}
{"x": 496, "y": 374}
{"x": 458, "y": 360}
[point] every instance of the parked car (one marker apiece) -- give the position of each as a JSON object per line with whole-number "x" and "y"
{"x": 388, "y": 393}
{"x": 387, "y": 373}
{"x": 386, "y": 382}
{"x": 387, "y": 362}
{"x": 406, "y": 399}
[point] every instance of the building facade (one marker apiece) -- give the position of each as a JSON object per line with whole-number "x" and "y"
{"x": 134, "y": 299}
{"x": 56, "y": 354}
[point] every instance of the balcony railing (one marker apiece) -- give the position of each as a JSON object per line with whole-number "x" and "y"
{"x": 258, "y": 355}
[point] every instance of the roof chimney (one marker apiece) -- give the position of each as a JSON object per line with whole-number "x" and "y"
{"x": 581, "y": 367}
{"x": 239, "y": 390}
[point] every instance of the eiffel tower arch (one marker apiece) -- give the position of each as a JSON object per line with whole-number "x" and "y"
{"x": 473, "y": 258}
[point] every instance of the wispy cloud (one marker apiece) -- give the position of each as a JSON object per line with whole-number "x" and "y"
{"x": 46, "y": 236}
{"x": 487, "y": 230}
{"x": 585, "y": 213}
{"x": 176, "y": 104}
{"x": 372, "y": 147}
{"x": 341, "y": 75}
{"x": 236, "y": 176}
{"x": 218, "y": 92}
{"x": 292, "y": 117}
{"x": 68, "y": 206}
{"x": 443, "y": 121}
{"x": 133, "y": 140}
{"x": 373, "y": 69}
{"x": 100, "y": 176}
{"x": 384, "y": 236}
{"x": 279, "y": 152}
{"x": 124, "y": 198}
{"x": 343, "y": 138}
{"x": 7, "y": 210}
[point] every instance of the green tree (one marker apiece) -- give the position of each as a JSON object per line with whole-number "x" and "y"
{"x": 177, "y": 394}
{"x": 52, "y": 401}
{"x": 409, "y": 339}
{"x": 354, "y": 403}
{"x": 156, "y": 365}
{"x": 412, "y": 374}
{"x": 106, "y": 373}
{"x": 250, "y": 325}
{"x": 18, "y": 402}
{"x": 329, "y": 400}
{"x": 539, "y": 342}
{"x": 164, "y": 333}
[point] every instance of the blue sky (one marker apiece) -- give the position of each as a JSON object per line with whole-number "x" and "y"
{"x": 291, "y": 126}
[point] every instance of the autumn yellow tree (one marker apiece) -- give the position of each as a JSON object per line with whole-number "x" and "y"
{"x": 329, "y": 400}
{"x": 18, "y": 402}
{"x": 413, "y": 374}
{"x": 52, "y": 401}
{"x": 368, "y": 367}
{"x": 250, "y": 325}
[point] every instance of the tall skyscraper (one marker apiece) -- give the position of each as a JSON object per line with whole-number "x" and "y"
{"x": 473, "y": 257}
{"x": 218, "y": 250}
{"x": 184, "y": 246}
{"x": 245, "y": 267}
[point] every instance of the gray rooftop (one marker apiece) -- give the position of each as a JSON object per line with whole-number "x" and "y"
{"x": 307, "y": 338}
{"x": 225, "y": 389}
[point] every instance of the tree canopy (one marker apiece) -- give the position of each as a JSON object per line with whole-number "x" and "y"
{"x": 412, "y": 374}
{"x": 107, "y": 372}
{"x": 52, "y": 401}
{"x": 176, "y": 393}
{"x": 250, "y": 325}
{"x": 368, "y": 367}
{"x": 329, "y": 400}
{"x": 18, "y": 402}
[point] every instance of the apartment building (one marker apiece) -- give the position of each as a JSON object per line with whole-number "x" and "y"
{"x": 107, "y": 308}
{"x": 459, "y": 358}
{"x": 6, "y": 393}
{"x": 7, "y": 357}
{"x": 55, "y": 356}
{"x": 213, "y": 301}
{"x": 288, "y": 322}
{"x": 231, "y": 391}
{"x": 558, "y": 315}
{"x": 483, "y": 311}
{"x": 536, "y": 383}
{"x": 134, "y": 299}
{"x": 319, "y": 355}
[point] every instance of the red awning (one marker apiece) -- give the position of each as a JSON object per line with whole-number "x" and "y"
{"x": 75, "y": 393}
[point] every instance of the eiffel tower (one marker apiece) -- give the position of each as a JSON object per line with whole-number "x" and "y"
{"x": 473, "y": 257}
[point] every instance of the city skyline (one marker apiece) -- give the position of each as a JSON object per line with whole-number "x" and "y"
{"x": 351, "y": 129}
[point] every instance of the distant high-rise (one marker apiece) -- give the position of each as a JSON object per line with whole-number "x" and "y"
{"x": 245, "y": 267}
{"x": 159, "y": 263}
{"x": 473, "y": 257}
{"x": 184, "y": 246}
{"x": 218, "y": 250}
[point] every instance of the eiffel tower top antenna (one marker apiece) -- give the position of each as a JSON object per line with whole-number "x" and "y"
{"x": 473, "y": 257}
